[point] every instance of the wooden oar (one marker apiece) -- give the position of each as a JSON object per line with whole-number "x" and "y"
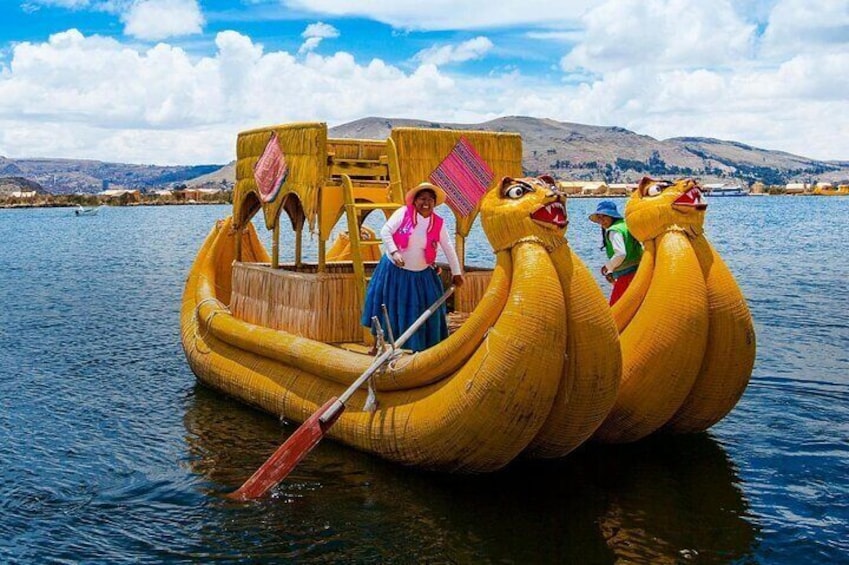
{"x": 306, "y": 437}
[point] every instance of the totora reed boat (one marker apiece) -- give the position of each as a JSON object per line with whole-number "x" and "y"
{"x": 533, "y": 367}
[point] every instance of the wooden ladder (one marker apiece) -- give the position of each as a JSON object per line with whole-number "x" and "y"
{"x": 354, "y": 211}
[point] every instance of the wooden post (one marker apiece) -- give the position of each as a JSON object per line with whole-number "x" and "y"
{"x": 239, "y": 233}
{"x": 275, "y": 245}
{"x": 322, "y": 244}
{"x": 298, "y": 243}
{"x": 460, "y": 243}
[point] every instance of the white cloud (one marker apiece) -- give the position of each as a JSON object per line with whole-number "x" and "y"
{"x": 806, "y": 26}
{"x": 160, "y": 19}
{"x": 115, "y": 7}
{"x": 321, "y": 30}
{"x": 468, "y": 50}
{"x": 315, "y": 33}
{"x": 660, "y": 33}
{"x": 450, "y": 14}
{"x": 73, "y": 4}
{"x": 159, "y": 105}
{"x": 559, "y": 36}
{"x": 661, "y": 68}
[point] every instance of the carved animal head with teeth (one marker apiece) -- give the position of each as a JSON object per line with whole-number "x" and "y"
{"x": 519, "y": 208}
{"x": 657, "y": 206}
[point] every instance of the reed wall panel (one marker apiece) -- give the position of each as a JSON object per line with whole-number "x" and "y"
{"x": 467, "y": 297}
{"x": 320, "y": 306}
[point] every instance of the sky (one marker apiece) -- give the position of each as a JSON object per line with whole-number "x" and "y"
{"x": 171, "y": 82}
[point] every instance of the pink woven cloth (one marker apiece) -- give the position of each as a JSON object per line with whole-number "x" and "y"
{"x": 464, "y": 176}
{"x": 270, "y": 171}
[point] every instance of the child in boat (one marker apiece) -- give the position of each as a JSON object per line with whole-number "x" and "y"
{"x": 406, "y": 279}
{"x": 623, "y": 251}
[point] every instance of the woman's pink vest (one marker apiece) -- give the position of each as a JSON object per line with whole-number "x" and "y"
{"x": 401, "y": 237}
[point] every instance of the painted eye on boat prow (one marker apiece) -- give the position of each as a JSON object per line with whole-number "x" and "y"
{"x": 517, "y": 191}
{"x": 655, "y": 189}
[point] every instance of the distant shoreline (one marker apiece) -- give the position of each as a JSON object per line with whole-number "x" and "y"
{"x": 29, "y": 205}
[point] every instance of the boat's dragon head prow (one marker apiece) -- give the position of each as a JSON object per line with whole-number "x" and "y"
{"x": 524, "y": 209}
{"x": 657, "y": 206}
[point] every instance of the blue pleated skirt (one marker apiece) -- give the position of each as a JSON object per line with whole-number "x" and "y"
{"x": 406, "y": 294}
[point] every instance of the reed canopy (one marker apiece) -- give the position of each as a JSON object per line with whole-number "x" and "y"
{"x": 324, "y": 177}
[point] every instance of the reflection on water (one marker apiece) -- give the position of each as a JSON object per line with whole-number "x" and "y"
{"x": 661, "y": 501}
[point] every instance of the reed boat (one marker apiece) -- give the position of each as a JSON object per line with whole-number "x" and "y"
{"x": 687, "y": 336}
{"x": 840, "y": 190}
{"x": 532, "y": 370}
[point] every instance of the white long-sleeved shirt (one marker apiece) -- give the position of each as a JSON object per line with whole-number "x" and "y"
{"x": 619, "y": 252}
{"x": 413, "y": 255}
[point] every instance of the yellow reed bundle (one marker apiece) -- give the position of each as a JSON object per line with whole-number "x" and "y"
{"x": 305, "y": 148}
{"x": 421, "y": 150}
{"x": 592, "y": 367}
{"x": 341, "y": 248}
{"x": 730, "y": 350}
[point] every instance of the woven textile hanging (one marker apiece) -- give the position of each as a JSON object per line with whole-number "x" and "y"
{"x": 271, "y": 170}
{"x": 464, "y": 176}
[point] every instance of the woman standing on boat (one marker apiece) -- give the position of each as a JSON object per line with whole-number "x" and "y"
{"x": 623, "y": 251}
{"x": 406, "y": 278}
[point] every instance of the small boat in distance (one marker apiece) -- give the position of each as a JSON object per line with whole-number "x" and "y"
{"x": 87, "y": 210}
{"x": 725, "y": 189}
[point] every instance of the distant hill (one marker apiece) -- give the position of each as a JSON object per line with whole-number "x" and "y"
{"x": 9, "y": 185}
{"x": 613, "y": 154}
{"x": 225, "y": 176}
{"x": 66, "y": 176}
{"x": 565, "y": 150}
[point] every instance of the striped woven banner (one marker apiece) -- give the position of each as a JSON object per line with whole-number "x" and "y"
{"x": 464, "y": 176}
{"x": 270, "y": 171}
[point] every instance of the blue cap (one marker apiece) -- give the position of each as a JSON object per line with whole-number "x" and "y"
{"x": 606, "y": 208}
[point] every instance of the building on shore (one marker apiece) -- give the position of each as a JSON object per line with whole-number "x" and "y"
{"x": 124, "y": 195}
{"x": 621, "y": 189}
{"x": 162, "y": 194}
{"x": 594, "y": 188}
{"x": 796, "y": 188}
{"x": 582, "y": 187}
{"x": 570, "y": 187}
{"x": 198, "y": 194}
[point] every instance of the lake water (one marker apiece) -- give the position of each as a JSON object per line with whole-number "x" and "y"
{"x": 110, "y": 451}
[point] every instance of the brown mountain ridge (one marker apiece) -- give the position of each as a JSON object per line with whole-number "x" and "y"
{"x": 566, "y": 150}
{"x": 613, "y": 154}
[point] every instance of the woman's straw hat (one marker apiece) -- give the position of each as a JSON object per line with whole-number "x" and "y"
{"x": 411, "y": 194}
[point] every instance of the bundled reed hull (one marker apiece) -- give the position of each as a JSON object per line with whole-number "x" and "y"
{"x": 532, "y": 371}
{"x": 688, "y": 342}
{"x": 476, "y": 417}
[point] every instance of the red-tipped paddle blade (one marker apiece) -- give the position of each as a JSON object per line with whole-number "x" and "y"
{"x": 293, "y": 450}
